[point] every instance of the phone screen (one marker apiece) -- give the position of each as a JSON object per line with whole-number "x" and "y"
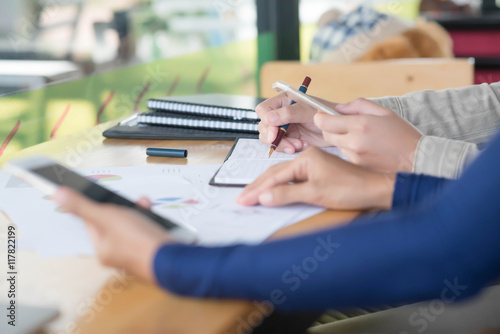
{"x": 64, "y": 177}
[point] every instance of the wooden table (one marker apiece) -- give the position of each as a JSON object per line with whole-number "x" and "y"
{"x": 94, "y": 299}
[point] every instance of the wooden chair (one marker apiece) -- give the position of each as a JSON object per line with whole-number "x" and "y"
{"x": 345, "y": 82}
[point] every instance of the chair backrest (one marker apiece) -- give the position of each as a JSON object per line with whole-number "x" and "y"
{"x": 345, "y": 82}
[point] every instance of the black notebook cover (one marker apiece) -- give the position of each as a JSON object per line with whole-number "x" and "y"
{"x": 131, "y": 129}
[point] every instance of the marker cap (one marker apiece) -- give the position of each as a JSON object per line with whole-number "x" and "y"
{"x": 167, "y": 153}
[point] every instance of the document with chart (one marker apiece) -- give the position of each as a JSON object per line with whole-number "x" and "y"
{"x": 248, "y": 159}
{"x": 180, "y": 193}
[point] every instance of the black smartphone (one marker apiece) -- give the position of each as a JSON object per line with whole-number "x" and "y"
{"x": 46, "y": 175}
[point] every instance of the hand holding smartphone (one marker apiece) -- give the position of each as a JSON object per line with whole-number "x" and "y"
{"x": 46, "y": 175}
{"x": 297, "y": 96}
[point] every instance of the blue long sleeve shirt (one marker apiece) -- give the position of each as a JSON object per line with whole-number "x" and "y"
{"x": 441, "y": 240}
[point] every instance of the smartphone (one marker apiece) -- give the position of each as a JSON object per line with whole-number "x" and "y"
{"x": 296, "y": 95}
{"x": 46, "y": 175}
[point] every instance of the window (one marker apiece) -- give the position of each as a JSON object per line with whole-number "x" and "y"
{"x": 67, "y": 65}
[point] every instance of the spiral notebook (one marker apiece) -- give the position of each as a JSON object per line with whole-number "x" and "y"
{"x": 236, "y": 107}
{"x": 197, "y": 122}
{"x": 195, "y": 117}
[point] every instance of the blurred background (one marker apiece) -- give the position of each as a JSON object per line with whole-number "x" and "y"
{"x": 67, "y": 65}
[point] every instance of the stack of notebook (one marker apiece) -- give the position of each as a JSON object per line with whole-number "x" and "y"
{"x": 203, "y": 117}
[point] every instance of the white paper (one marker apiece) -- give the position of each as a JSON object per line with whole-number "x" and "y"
{"x": 180, "y": 193}
{"x": 249, "y": 160}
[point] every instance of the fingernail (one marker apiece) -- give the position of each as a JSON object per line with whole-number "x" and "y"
{"x": 340, "y": 105}
{"x": 266, "y": 198}
{"x": 288, "y": 150}
{"x": 272, "y": 118}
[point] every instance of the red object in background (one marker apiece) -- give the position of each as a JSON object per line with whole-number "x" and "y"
{"x": 9, "y": 137}
{"x": 140, "y": 96}
{"x": 103, "y": 106}
{"x": 59, "y": 122}
{"x": 483, "y": 45}
{"x": 486, "y": 76}
{"x": 476, "y": 43}
{"x": 477, "y": 37}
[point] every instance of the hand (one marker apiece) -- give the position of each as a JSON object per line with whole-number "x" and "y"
{"x": 321, "y": 179}
{"x": 371, "y": 135}
{"x": 302, "y": 132}
{"x": 122, "y": 237}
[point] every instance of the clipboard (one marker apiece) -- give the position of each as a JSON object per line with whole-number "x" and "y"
{"x": 226, "y": 185}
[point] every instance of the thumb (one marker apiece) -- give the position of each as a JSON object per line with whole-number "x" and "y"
{"x": 287, "y": 194}
{"x": 361, "y": 107}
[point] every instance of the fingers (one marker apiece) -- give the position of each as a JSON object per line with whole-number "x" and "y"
{"x": 289, "y": 115}
{"x": 78, "y": 204}
{"x": 338, "y": 140}
{"x": 333, "y": 124}
{"x": 144, "y": 203}
{"x": 352, "y": 149}
{"x": 273, "y": 103}
{"x": 352, "y": 132}
{"x": 279, "y": 110}
{"x": 249, "y": 196}
{"x": 276, "y": 112}
{"x": 289, "y": 145}
{"x": 270, "y": 105}
{"x": 268, "y": 135}
{"x": 299, "y": 145}
{"x": 284, "y": 173}
{"x": 288, "y": 194}
{"x": 94, "y": 233}
{"x": 272, "y": 120}
{"x": 362, "y": 107}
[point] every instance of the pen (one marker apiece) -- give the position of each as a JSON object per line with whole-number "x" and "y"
{"x": 282, "y": 130}
{"x": 167, "y": 153}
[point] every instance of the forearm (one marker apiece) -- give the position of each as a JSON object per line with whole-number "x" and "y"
{"x": 360, "y": 265}
{"x": 402, "y": 256}
{"x": 454, "y": 123}
{"x": 470, "y": 114}
{"x": 288, "y": 272}
{"x": 398, "y": 260}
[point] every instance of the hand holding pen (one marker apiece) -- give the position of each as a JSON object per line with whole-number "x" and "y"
{"x": 284, "y": 128}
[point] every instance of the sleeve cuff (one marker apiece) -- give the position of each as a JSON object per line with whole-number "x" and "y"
{"x": 443, "y": 157}
{"x": 411, "y": 189}
{"x": 161, "y": 264}
{"x": 190, "y": 270}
